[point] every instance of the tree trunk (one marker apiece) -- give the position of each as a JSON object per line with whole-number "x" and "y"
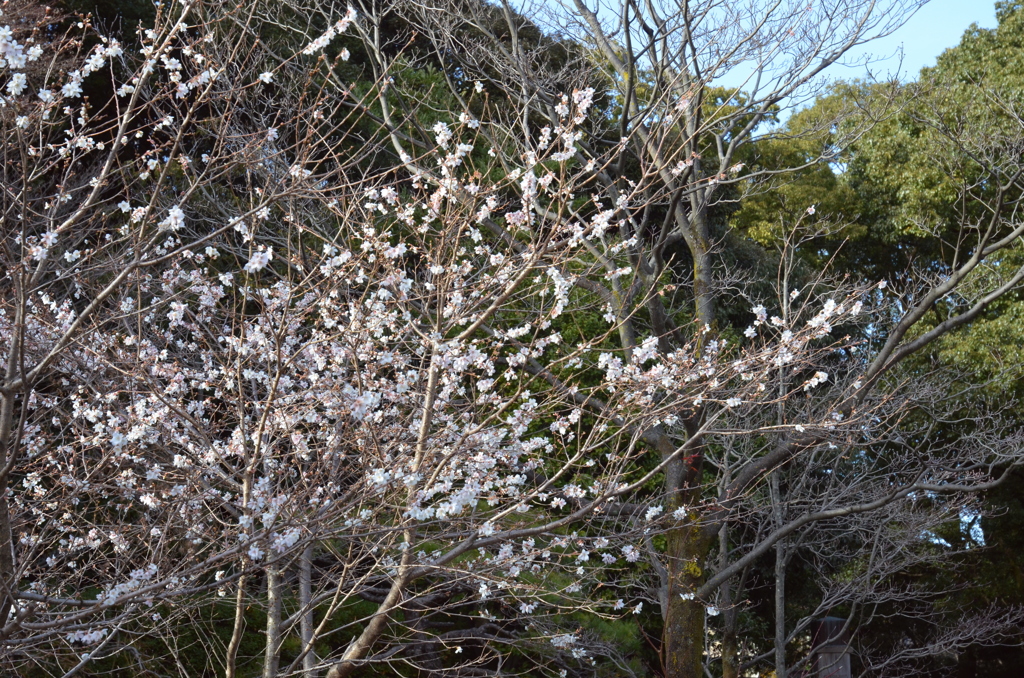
{"x": 730, "y": 624}
{"x": 272, "y": 653}
{"x": 683, "y": 640}
{"x": 730, "y": 593}
{"x": 730, "y": 650}
{"x": 780, "y": 582}
{"x": 703, "y": 283}
{"x": 306, "y": 625}
{"x": 360, "y": 645}
{"x": 8, "y": 585}
{"x": 237, "y": 629}
{"x": 780, "y": 609}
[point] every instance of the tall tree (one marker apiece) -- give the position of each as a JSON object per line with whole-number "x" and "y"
{"x": 684, "y": 153}
{"x": 396, "y": 367}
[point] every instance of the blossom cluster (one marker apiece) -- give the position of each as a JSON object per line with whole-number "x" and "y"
{"x": 242, "y": 346}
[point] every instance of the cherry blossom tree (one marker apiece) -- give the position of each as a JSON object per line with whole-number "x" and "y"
{"x": 408, "y": 381}
{"x": 235, "y": 350}
{"x": 689, "y": 91}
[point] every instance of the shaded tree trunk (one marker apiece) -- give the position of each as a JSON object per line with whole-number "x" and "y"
{"x": 683, "y": 640}
{"x": 7, "y": 452}
{"x": 781, "y": 560}
{"x": 272, "y": 652}
{"x": 6, "y": 542}
{"x": 306, "y": 624}
{"x": 236, "y": 633}
{"x": 731, "y": 646}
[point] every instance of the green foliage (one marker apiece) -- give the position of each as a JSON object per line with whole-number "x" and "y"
{"x": 118, "y": 17}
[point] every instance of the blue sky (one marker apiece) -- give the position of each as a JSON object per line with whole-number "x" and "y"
{"x": 935, "y": 27}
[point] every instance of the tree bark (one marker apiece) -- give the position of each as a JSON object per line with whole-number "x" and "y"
{"x": 780, "y": 609}
{"x": 703, "y": 297}
{"x": 272, "y": 652}
{"x": 731, "y": 591}
{"x": 683, "y": 640}
{"x": 730, "y": 647}
{"x": 236, "y": 633}
{"x": 360, "y": 645}
{"x": 780, "y": 578}
{"x": 8, "y": 585}
{"x": 306, "y": 625}
{"x": 6, "y": 542}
